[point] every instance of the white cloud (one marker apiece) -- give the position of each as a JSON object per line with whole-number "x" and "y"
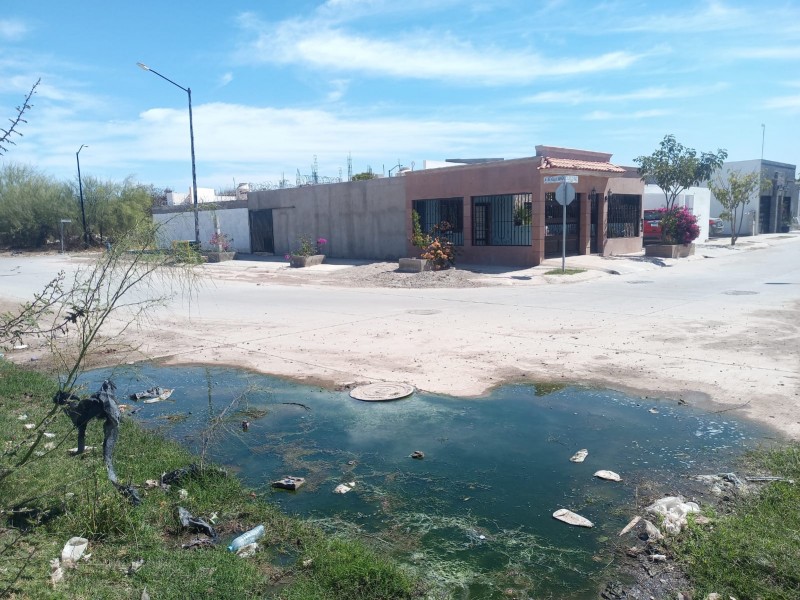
{"x": 602, "y": 115}
{"x": 12, "y": 29}
{"x": 589, "y": 96}
{"x": 776, "y": 53}
{"x": 438, "y": 56}
{"x": 225, "y": 79}
{"x": 790, "y": 103}
{"x": 338, "y": 89}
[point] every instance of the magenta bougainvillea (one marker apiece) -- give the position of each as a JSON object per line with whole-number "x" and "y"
{"x": 678, "y": 225}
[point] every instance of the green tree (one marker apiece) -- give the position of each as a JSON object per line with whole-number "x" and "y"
{"x": 674, "y": 168}
{"x": 368, "y": 174}
{"x": 112, "y": 208}
{"x": 734, "y": 193}
{"x": 31, "y": 207}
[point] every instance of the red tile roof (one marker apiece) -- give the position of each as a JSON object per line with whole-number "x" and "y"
{"x": 583, "y": 165}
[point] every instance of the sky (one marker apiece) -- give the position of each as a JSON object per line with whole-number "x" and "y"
{"x": 277, "y": 85}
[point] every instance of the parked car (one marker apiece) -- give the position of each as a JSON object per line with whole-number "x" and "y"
{"x": 652, "y": 226}
{"x": 715, "y": 226}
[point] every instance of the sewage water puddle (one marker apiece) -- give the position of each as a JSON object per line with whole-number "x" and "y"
{"x": 474, "y": 517}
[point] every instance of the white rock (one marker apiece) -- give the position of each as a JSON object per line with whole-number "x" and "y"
{"x": 571, "y": 518}
{"x": 607, "y": 475}
{"x": 580, "y": 456}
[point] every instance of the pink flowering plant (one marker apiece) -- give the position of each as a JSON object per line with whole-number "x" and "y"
{"x": 307, "y": 247}
{"x": 222, "y": 241}
{"x": 678, "y": 225}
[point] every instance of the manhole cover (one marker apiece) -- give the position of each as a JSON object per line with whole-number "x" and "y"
{"x": 381, "y": 392}
{"x": 635, "y": 281}
{"x": 740, "y": 293}
{"x": 423, "y": 311}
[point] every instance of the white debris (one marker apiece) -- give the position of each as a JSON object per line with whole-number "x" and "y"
{"x": 343, "y": 488}
{"x": 47, "y": 434}
{"x": 673, "y": 509}
{"x": 56, "y": 573}
{"x": 247, "y": 550}
{"x": 73, "y": 550}
{"x": 580, "y": 456}
{"x": 571, "y": 518}
{"x": 30, "y": 426}
{"x": 183, "y": 494}
{"x": 630, "y": 525}
{"x": 22, "y": 417}
{"x": 607, "y": 475}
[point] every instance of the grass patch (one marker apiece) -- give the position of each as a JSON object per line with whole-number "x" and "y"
{"x": 565, "y": 271}
{"x": 753, "y": 552}
{"x": 56, "y": 496}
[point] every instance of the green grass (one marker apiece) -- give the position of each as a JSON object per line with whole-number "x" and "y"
{"x": 754, "y": 552}
{"x": 64, "y": 496}
{"x": 565, "y": 271}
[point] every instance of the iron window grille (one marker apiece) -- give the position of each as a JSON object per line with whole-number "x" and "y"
{"x": 624, "y": 215}
{"x": 433, "y": 212}
{"x": 502, "y": 220}
{"x": 554, "y": 215}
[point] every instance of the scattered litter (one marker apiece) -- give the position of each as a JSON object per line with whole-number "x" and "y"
{"x": 630, "y": 525}
{"x": 20, "y": 346}
{"x": 145, "y": 595}
{"x": 47, "y": 434}
{"x": 22, "y": 417}
{"x": 195, "y": 524}
{"x": 607, "y": 475}
{"x": 154, "y": 394}
{"x": 50, "y": 446}
{"x": 343, "y": 488}
{"x": 30, "y": 426}
{"x": 307, "y": 562}
{"x": 183, "y": 494}
{"x": 580, "y": 456}
{"x": 73, "y": 550}
{"x": 248, "y": 537}
{"x": 123, "y": 407}
{"x": 418, "y": 454}
{"x": 674, "y": 510}
{"x": 247, "y": 550}
{"x": 351, "y": 463}
{"x": 289, "y": 483}
{"x": 74, "y": 451}
{"x": 245, "y": 425}
{"x": 151, "y": 483}
{"x": 766, "y": 478}
{"x": 135, "y": 566}
{"x": 653, "y": 411}
{"x": 571, "y": 518}
{"x": 652, "y": 532}
{"x": 658, "y": 557}
{"x": 56, "y": 573}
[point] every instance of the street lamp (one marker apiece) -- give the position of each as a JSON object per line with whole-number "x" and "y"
{"x": 191, "y": 140}
{"x": 80, "y": 189}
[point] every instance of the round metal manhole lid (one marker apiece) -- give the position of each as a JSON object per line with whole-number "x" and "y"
{"x": 382, "y": 392}
{"x": 740, "y": 293}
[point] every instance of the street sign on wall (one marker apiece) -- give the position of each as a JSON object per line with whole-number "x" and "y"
{"x": 561, "y": 179}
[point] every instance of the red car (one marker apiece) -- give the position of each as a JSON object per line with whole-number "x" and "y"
{"x": 652, "y": 226}
{"x": 715, "y": 226}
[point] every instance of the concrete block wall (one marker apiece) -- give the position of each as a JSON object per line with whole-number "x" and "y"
{"x": 179, "y": 225}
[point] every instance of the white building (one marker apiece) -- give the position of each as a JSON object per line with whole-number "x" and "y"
{"x": 696, "y": 199}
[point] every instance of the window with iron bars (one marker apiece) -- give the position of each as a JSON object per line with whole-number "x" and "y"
{"x": 502, "y": 220}
{"x": 433, "y": 212}
{"x": 624, "y": 215}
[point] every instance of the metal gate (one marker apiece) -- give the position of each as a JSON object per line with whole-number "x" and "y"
{"x": 594, "y": 198}
{"x": 481, "y": 225}
{"x": 262, "y": 237}
{"x": 553, "y": 221}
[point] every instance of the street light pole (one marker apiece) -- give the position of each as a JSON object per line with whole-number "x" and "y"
{"x": 191, "y": 141}
{"x": 80, "y": 190}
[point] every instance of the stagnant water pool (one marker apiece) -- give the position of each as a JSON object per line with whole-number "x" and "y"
{"x": 474, "y": 517}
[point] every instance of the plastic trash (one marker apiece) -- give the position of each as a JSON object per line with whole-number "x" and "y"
{"x": 73, "y": 550}
{"x": 580, "y": 456}
{"x": 248, "y": 537}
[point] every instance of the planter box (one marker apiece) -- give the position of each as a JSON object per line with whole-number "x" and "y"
{"x": 306, "y": 261}
{"x": 414, "y": 265}
{"x": 669, "y": 250}
{"x": 215, "y": 257}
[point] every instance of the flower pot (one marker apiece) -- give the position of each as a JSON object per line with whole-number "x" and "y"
{"x": 215, "y": 257}
{"x": 669, "y": 250}
{"x": 306, "y": 261}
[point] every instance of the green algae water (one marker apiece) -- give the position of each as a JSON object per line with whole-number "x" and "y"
{"x": 474, "y": 517}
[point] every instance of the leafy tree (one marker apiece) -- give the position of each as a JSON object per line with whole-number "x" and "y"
{"x": 734, "y": 194}
{"x": 112, "y": 208}
{"x": 31, "y": 207}
{"x": 368, "y": 174}
{"x": 674, "y": 168}
{"x": 5, "y": 134}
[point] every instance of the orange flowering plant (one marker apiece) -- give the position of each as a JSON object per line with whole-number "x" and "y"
{"x": 440, "y": 250}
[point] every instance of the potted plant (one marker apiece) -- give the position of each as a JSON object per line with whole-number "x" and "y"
{"x": 307, "y": 253}
{"x": 221, "y": 248}
{"x": 679, "y": 229}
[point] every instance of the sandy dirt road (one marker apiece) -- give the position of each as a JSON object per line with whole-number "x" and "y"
{"x": 721, "y": 331}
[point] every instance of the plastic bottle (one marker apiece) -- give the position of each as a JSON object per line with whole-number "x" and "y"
{"x": 248, "y": 537}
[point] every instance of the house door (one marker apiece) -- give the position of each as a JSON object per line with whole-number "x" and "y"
{"x": 554, "y": 225}
{"x": 764, "y": 214}
{"x": 262, "y": 238}
{"x": 481, "y": 224}
{"x": 594, "y": 198}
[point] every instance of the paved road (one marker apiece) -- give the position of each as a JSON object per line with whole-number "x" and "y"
{"x": 723, "y": 328}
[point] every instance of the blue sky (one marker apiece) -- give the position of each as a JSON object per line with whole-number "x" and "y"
{"x": 275, "y": 84}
